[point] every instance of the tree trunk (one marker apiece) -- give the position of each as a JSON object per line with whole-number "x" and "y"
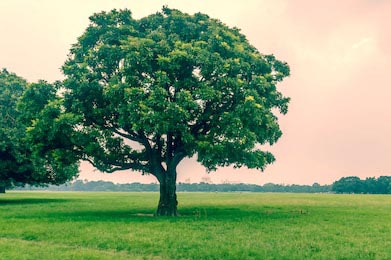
{"x": 2, "y": 189}
{"x": 168, "y": 201}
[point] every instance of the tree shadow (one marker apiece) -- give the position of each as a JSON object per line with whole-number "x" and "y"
{"x": 186, "y": 214}
{"x": 26, "y": 201}
{"x": 146, "y": 214}
{"x": 236, "y": 212}
{"x": 102, "y": 215}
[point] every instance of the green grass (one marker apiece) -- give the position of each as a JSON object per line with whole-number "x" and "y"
{"x": 67, "y": 225}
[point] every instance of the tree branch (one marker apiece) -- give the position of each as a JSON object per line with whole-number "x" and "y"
{"x": 119, "y": 166}
{"x": 132, "y": 137}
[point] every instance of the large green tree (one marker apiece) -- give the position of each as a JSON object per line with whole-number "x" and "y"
{"x": 144, "y": 94}
{"x": 21, "y": 160}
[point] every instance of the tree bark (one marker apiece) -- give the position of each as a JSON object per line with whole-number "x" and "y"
{"x": 168, "y": 201}
{"x": 2, "y": 189}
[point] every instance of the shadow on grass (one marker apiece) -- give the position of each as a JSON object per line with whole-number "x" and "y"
{"x": 26, "y": 201}
{"x": 102, "y": 215}
{"x": 238, "y": 212}
{"x": 95, "y": 212}
{"x": 186, "y": 214}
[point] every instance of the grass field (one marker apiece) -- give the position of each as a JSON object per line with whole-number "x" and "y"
{"x": 68, "y": 225}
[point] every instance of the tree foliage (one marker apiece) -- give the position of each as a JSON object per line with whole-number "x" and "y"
{"x": 176, "y": 84}
{"x": 20, "y": 163}
{"x": 371, "y": 185}
{"x": 144, "y": 94}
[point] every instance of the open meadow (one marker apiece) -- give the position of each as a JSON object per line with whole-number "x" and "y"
{"x": 77, "y": 225}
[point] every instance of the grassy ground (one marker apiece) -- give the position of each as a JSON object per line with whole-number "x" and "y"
{"x": 39, "y": 225}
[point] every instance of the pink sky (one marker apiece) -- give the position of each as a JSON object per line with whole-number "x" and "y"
{"x": 339, "y": 121}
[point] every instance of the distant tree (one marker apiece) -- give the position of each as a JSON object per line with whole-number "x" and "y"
{"x": 316, "y": 185}
{"x": 351, "y": 184}
{"x": 19, "y": 164}
{"x": 384, "y": 185}
{"x": 371, "y": 185}
{"x": 144, "y": 94}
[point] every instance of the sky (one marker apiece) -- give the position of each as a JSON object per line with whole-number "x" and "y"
{"x": 339, "y": 52}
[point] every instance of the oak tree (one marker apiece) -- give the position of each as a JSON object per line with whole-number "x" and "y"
{"x": 144, "y": 94}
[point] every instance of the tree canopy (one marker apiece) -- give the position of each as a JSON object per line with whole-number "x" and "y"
{"x": 144, "y": 94}
{"x": 20, "y": 104}
{"x": 371, "y": 185}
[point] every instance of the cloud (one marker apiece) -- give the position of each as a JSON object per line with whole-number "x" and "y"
{"x": 362, "y": 42}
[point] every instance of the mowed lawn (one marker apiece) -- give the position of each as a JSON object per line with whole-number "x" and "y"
{"x": 77, "y": 225}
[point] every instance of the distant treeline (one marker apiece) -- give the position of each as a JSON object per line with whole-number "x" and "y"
{"x": 190, "y": 187}
{"x": 353, "y": 184}
{"x": 381, "y": 185}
